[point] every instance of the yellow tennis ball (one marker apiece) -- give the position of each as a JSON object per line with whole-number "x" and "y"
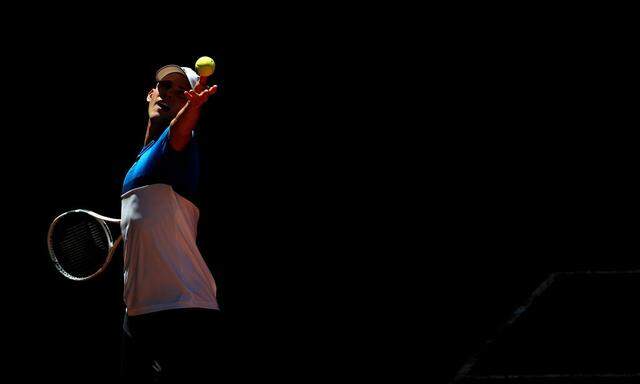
{"x": 205, "y": 66}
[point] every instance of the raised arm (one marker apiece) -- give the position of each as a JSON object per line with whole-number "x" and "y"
{"x": 185, "y": 121}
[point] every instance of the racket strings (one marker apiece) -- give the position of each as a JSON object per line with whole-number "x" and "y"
{"x": 80, "y": 245}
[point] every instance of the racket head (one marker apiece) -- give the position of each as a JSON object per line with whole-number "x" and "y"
{"x": 80, "y": 244}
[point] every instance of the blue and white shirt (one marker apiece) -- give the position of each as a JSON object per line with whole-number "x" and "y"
{"x": 163, "y": 268}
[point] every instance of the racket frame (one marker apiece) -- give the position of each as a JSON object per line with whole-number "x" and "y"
{"x": 113, "y": 245}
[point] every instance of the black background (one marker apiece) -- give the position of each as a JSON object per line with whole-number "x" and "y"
{"x": 367, "y": 188}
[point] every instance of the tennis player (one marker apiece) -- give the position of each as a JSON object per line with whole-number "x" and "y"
{"x": 171, "y": 324}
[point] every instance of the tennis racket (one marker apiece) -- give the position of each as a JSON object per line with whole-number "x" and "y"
{"x": 80, "y": 244}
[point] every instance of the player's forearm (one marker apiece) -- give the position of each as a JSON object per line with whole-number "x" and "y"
{"x": 182, "y": 126}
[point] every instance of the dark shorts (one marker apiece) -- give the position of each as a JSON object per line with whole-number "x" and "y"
{"x": 172, "y": 346}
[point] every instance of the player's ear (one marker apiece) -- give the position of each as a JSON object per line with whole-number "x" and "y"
{"x": 150, "y": 94}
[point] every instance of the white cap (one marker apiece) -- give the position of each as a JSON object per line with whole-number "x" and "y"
{"x": 189, "y": 73}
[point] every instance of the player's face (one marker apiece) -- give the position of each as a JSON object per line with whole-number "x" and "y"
{"x": 168, "y": 98}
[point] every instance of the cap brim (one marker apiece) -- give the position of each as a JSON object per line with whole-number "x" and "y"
{"x": 169, "y": 69}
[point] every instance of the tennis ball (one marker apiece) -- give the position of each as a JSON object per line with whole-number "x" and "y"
{"x": 205, "y": 66}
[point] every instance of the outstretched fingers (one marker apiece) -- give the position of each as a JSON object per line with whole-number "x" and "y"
{"x": 197, "y": 98}
{"x": 213, "y": 89}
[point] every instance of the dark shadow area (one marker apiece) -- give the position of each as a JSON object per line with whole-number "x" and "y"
{"x": 581, "y": 325}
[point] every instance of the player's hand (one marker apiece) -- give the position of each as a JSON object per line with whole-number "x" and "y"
{"x": 198, "y": 96}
